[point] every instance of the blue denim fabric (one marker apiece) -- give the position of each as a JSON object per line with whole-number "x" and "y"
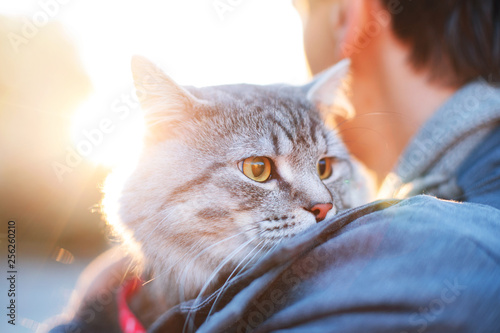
{"x": 479, "y": 175}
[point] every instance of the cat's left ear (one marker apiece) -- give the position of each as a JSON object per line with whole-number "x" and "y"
{"x": 325, "y": 91}
{"x": 164, "y": 102}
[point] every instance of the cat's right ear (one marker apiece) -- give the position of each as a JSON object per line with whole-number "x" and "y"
{"x": 327, "y": 90}
{"x": 164, "y": 102}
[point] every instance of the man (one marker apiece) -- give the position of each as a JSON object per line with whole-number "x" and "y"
{"x": 408, "y": 58}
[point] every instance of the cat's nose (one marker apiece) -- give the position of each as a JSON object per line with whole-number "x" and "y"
{"x": 320, "y": 210}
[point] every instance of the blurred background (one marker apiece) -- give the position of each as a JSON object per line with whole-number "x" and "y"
{"x": 68, "y": 113}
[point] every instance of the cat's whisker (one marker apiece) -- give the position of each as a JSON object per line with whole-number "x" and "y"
{"x": 190, "y": 322}
{"x": 222, "y": 264}
{"x": 272, "y": 247}
{"x": 188, "y": 252}
{"x": 221, "y": 241}
{"x": 159, "y": 223}
{"x": 242, "y": 270}
{"x": 147, "y": 237}
{"x": 182, "y": 276}
{"x": 167, "y": 270}
{"x": 132, "y": 263}
{"x": 229, "y": 279}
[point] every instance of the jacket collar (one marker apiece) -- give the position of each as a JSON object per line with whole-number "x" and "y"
{"x": 444, "y": 141}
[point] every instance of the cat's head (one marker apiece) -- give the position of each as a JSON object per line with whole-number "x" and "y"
{"x": 229, "y": 171}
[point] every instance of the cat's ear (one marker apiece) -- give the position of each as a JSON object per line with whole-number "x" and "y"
{"x": 327, "y": 92}
{"x": 164, "y": 102}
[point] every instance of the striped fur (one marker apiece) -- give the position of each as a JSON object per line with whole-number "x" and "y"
{"x": 189, "y": 207}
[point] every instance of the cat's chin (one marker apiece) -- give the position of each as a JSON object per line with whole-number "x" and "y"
{"x": 202, "y": 275}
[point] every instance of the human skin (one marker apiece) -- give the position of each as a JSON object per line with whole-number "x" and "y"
{"x": 391, "y": 98}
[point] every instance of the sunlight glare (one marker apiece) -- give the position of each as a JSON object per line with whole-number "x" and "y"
{"x": 256, "y": 42}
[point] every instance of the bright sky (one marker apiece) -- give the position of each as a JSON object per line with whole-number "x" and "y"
{"x": 253, "y": 41}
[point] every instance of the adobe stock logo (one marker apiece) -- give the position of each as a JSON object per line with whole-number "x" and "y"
{"x": 31, "y": 27}
{"x": 122, "y": 108}
{"x": 222, "y": 7}
{"x": 365, "y": 34}
{"x": 451, "y": 291}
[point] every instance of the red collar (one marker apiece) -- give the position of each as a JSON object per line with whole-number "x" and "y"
{"x": 128, "y": 321}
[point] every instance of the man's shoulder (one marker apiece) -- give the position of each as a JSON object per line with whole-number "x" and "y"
{"x": 479, "y": 174}
{"x": 426, "y": 215}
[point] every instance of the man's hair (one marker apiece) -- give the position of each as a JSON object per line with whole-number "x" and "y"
{"x": 458, "y": 40}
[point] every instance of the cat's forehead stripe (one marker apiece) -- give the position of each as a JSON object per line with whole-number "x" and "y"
{"x": 193, "y": 183}
{"x": 294, "y": 115}
{"x": 214, "y": 214}
{"x": 277, "y": 124}
{"x": 312, "y": 129}
{"x": 275, "y": 144}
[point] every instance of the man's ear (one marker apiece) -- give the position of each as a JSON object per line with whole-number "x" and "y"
{"x": 326, "y": 91}
{"x": 164, "y": 102}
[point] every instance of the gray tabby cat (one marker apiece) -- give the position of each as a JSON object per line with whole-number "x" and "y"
{"x": 226, "y": 173}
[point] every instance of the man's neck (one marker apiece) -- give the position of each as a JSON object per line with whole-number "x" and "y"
{"x": 392, "y": 102}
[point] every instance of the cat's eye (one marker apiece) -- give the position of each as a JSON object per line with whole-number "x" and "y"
{"x": 324, "y": 167}
{"x": 257, "y": 168}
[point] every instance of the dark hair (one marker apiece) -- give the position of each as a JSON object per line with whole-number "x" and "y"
{"x": 458, "y": 40}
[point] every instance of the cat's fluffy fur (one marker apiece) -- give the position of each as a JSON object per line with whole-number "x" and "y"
{"x": 189, "y": 207}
